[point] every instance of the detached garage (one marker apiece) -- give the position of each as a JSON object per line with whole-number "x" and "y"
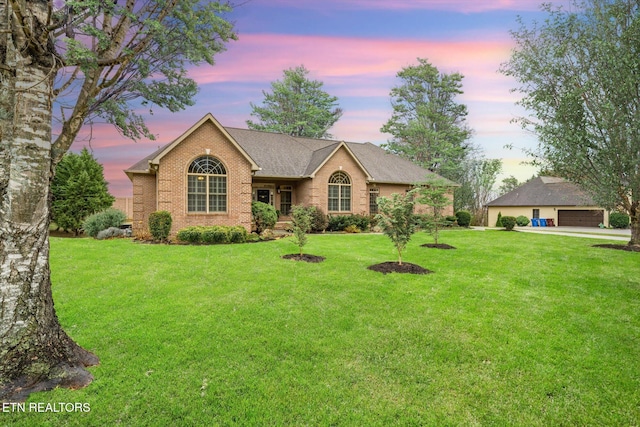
{"x": 549, "y": 197}
{"x": 580, "y": 218}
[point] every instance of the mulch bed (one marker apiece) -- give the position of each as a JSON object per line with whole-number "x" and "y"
{"x": 304, "y": 257}
{"x": 628, "y": 248}
{"x": 394, "y": 267}
{"x": 437, "y": 246}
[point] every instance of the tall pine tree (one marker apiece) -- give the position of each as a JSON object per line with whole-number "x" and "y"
{"x": 296, "y": 106}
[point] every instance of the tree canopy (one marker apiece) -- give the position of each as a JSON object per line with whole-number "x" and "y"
{"x": 296, "y": 106}
{"x": 428, "y": 126}
{"x": 578, "y": 73}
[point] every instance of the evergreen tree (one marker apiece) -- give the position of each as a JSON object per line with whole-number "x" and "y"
{"x": 78, "y": 190}
{"x": 296, "y": 106}
{"x": 427, "y": 125}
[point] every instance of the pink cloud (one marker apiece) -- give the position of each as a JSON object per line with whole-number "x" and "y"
{"x": 463, "y": 6}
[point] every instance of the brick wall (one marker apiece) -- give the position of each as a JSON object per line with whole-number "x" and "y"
{"x": 172, "y": 180}
{"x": 342, "y": 160}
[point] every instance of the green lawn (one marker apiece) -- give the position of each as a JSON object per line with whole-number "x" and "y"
{"x": 511, "y": 329}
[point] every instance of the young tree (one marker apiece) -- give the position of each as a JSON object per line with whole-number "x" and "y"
{"x": 427, "y": 125}
{"x": 301, "y": 219}
{"x": 78, "y": 190}
{"x": 434, "y": 193}
{"x": 296, "y": 106}
{"x": 578, "y": 73}
{"x": 396, "y": 219}
{"x": 91, "y": 57}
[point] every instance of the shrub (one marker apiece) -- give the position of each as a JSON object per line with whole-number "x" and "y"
{"x": 217, "y": 234}
{"x": 110, "y": 233}
{"x": 522, "y": 221}
{"x": 509, "y": 222}
{"x": 319, "y": 220}
{"x": 450, "y": 220}
{"x": 237, "y": 234}
{"x": 340, "y": 222}
{"x": 618, "y": 220}
{"x": 189, "y": 235}
{"x": 352, "y": 229}
{"x": 463, "y": 218}
{"x": 102, "y": 220}
{"x": 499, "y": 220}
{"x": 264, "y": 216}
{"x": 214, "y": 235}
{"x": 160, "y": 225}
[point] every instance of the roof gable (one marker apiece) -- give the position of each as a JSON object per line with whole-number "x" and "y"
{"x": 545, "y": 191}
{"x": 324, "y": 155}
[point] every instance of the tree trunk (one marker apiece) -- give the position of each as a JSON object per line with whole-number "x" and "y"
{"x": 35, "y": 353}
{"x": 635, "y": 226}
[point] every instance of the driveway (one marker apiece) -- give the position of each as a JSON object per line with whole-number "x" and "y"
{"x": 590, "y": 232}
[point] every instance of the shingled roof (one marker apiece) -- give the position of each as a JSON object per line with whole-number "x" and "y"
{"x": 545, "y": 191}
{"x": 277, "y": 155}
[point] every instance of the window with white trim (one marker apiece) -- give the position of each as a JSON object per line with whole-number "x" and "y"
{"x": 206, "y": 185}
{"x": 339, "y": 199}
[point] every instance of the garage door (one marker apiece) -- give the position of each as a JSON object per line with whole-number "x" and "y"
{"x": 585, "y": 218}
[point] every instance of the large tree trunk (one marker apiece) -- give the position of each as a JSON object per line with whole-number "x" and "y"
{"x": 35, "y": 353}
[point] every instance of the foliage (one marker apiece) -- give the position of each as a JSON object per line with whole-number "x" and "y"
{"x": 578, "y": 73}
{"x": 301, "y": 219}
{"x": 477, "y": 185}
{"x": 499, "y": 220}
{"x": 463, "y": 218}
{"x": 145, "y": 57}
{"x": 110, "y": 233}
{"x": 160, "y": 225}
{"x": 264, "y": 216}
{"x": 78, "y": 190}
{"x": 427, "y": 125}
{"x": 434, "y": 194}
{"x": 522, "y": 221}
{"x": 216, "y": 234}
{"x": 396, "y": 219}
{"x": 341, "y": 222}
{"x": 103, "y": 220}
{"x": 618, "y": 220}
{"x": 508, "y": 185}
{"x": 509, "y": 222}
{"x": 319, "y": 220}
{"x": 297, "y": 106}
{"x": 352, "y": 229}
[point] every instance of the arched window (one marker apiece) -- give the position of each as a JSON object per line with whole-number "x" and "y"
{"x": 339, "y": 192}
{"x": 207, "y": 185}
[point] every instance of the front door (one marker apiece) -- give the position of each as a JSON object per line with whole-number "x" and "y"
{"x": 263, "y": 196}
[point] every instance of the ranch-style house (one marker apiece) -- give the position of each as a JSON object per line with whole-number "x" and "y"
{"x": 211, "y": 174}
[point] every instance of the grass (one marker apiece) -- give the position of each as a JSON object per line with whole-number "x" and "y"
{"x": 511, "y": 329}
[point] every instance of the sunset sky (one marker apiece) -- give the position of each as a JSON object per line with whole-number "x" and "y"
{"x": 355, "y": 47}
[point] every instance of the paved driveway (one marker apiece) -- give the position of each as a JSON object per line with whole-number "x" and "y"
{"x": 591, "y": 232}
